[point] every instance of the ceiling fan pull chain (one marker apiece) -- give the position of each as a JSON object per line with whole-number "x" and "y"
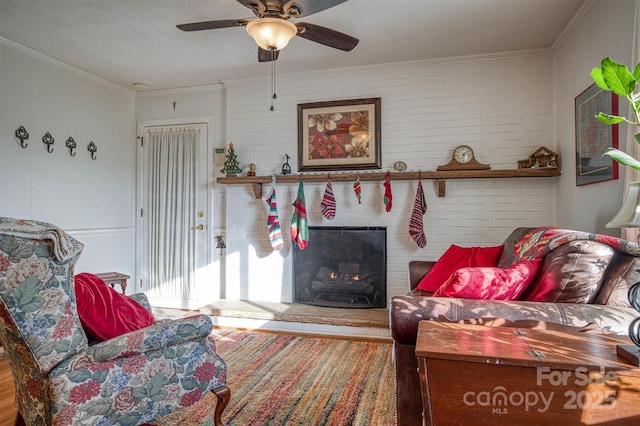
{"x": 273, "y": 79}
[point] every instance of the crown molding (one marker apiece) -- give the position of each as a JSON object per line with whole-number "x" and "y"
{"x": 573, "y": 24}
{"x": 55, "y": 62}
{"x": 403, "y": 66}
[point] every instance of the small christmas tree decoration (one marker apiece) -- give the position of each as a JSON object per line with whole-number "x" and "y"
{"x": 231, "y": 162}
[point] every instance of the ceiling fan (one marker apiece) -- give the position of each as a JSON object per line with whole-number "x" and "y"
{"x": 272, "y": 30}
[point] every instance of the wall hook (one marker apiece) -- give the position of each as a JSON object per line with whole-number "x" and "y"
{"x": 92, "y": 149}
{"x": 48, "y": 140}
{"x": 23, "y": 135}
{"x": 71, "y": 144}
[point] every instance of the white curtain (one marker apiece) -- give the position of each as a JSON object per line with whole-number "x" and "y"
{"x": 170, "y": 199}
{"x": 632, "y": 148}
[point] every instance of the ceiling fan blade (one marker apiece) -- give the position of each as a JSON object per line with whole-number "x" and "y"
{"x": 267, "y": 55}
{"x": 291, "y": 8}
{"x": 309, "y": 7}
{"x": 326, "y": 36}
{"x": 213, "y": 25}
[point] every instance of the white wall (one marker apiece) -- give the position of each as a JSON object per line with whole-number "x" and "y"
{"x": 93, "y": 200}
{"x": 505, "y": 106}
{"x": 606, "y": 29}
{"x": 500, "y": 105}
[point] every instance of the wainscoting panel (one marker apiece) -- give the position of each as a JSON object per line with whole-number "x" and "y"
{"x": 108, "y": 250}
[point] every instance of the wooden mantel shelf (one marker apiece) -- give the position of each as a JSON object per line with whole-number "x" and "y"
{"x": 440, "y": 176}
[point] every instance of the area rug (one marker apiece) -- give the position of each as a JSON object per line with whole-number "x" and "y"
{"x": 291, "y": 380}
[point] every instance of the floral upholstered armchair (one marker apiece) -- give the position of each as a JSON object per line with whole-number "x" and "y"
{"x": 60, "y": 379}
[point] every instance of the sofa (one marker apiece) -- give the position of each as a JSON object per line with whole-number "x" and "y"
{"x": 590, "y": 275}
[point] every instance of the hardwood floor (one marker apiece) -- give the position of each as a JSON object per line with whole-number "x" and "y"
{"x": 7, "y": 407}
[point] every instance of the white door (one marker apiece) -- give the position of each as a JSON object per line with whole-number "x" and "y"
{"x": 174, "y": 237}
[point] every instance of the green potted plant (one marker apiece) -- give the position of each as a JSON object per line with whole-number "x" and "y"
{"x": 617, "y": 78}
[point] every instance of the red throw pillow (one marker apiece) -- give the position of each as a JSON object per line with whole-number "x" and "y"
{"x": 490, "y": 283}
{"x": 106, "y": 313}
{"x": 455, "y": 258}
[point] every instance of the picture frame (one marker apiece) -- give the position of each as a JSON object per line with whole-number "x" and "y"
{"x": 594, "y": 137}
{"x": 339, "y": 135}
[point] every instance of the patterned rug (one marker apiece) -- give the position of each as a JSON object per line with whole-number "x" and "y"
{"x": 290, "y": 380}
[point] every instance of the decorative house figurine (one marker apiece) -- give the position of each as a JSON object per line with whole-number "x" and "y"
{"x": 543, "y": 157}
{"x": 231, "y": 162}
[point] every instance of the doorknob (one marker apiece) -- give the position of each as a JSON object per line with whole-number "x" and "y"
{"x": 197, "y": 227}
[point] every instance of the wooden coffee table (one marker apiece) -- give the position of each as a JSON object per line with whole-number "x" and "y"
{"x": 473, "y": 374}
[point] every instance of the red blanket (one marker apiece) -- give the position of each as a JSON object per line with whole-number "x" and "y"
{"x": 541, "y": 241}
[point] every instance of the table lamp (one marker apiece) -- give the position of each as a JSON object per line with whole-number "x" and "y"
{"x": 629, "y": 217}
{"x": 629, "y": 214}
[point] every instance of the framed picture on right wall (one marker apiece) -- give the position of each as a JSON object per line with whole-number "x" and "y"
{"x": 594, "y": 137}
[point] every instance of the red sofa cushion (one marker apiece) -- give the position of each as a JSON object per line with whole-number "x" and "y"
{"x": 490, "y": 283}
{"x": 457, "y": 257}
{"x": 106, "y": 313}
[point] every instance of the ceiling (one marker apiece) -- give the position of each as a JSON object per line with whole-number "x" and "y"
{"x": 129, "y": 41}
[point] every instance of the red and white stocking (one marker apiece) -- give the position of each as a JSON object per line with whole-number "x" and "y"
{"x": 328, "y": 204}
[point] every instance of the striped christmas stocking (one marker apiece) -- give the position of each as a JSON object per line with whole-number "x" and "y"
{"x": 328, "y": 204}
{"x": 275, "y": 235}
{"x": 416, "y": 226}
{"x": 299, "y": 225}
{"x": 357, "y": 188}
{"x": 388, "y": 197}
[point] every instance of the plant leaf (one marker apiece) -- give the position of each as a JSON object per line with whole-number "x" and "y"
{"x": 609, "y": 119}
{"x": 637, "y": 137}
{"x": 596, "y": 75}
{"x": 623, "y": 158}
{"x": 636, "y": 72}
{"x": 617, "y": 77}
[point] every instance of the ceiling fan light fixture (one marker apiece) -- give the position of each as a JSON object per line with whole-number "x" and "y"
{"x": 271, "y": 33}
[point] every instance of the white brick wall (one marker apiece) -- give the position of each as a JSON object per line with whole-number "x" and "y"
{"x": 500, "y": 105}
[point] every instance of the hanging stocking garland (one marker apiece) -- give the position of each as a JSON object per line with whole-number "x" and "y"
{"x": 328, "y": 204}
{"x": 388, "y": 197}
{"x": 357, "y": 188}
{"x": 416, "y": 226}
{"x": 299, "y": 225}
{"x": 275, "y": 234}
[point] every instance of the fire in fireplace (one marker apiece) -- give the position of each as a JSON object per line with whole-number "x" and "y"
{"x": 344, "y": 267}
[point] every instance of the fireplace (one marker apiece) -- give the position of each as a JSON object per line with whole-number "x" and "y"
{"x": 343, "y": 267}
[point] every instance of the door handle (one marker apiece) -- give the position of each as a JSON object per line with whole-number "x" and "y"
{"x": 197, "y": 227}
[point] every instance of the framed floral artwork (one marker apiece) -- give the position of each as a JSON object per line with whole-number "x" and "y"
{"x": 339, "y": 135}
{"x": 594, "y": 137}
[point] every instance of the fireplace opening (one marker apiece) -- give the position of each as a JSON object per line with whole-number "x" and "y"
{"x": 342, "y": 267}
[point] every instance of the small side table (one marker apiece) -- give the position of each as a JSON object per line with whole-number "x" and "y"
{"x": 473, "y": 374}
{"x": 113, "y": 278}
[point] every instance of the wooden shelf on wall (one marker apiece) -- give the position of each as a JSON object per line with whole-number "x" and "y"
{"x": 441, "y": 176}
